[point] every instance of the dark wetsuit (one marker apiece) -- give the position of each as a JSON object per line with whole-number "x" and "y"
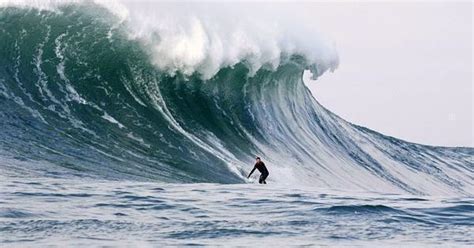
{"x": 263, "y": 170}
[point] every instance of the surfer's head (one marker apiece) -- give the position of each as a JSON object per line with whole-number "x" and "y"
{"x": 257, "y": 158}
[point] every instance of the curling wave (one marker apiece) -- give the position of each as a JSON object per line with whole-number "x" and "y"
{"x": 80, "y": 93}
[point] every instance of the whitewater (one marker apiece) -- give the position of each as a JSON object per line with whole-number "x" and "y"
{"x": 137, "y": 126}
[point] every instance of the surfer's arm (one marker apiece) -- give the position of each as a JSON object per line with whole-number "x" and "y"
{"x": 252, "y": 171}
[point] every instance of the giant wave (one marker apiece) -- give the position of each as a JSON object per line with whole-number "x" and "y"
{"x": 82, "y": 92}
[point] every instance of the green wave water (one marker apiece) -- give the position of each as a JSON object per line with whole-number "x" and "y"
{"x": 79, "y": 96}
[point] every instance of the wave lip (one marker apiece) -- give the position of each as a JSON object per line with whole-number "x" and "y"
{"x": 206, "y": 42}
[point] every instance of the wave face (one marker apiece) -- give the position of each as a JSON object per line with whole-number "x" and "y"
{"x": 79, "y": 96}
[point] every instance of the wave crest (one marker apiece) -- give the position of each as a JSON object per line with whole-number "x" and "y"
{"x": 196, "y": 40}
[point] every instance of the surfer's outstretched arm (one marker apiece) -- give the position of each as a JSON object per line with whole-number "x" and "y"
{"x": 252, "y": 171}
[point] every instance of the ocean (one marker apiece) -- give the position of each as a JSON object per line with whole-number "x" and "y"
{"x": 119, "y": 129}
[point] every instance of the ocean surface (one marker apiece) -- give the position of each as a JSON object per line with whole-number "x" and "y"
{"x": 123, "y": 125}
{"x": 85, "y": 212}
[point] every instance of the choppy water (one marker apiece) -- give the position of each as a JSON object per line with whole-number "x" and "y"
{"x": 120, "y": 213}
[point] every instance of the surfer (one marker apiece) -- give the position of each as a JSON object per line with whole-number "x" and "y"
{"x": 263, "y": 170}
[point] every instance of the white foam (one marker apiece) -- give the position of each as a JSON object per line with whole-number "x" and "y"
{"x": 138, "y": 139}
{"x": 202, "y": 38}
{"x": 111, "y": 119}
{"x": 197, "y": 38}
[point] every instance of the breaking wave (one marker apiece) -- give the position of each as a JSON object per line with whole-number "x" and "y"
{"x": 87, "y": 91}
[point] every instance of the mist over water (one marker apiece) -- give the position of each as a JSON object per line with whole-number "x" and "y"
{"x": 122, "y": 108}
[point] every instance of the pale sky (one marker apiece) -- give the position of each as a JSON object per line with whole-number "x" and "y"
{"x": 405, "y": 68}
